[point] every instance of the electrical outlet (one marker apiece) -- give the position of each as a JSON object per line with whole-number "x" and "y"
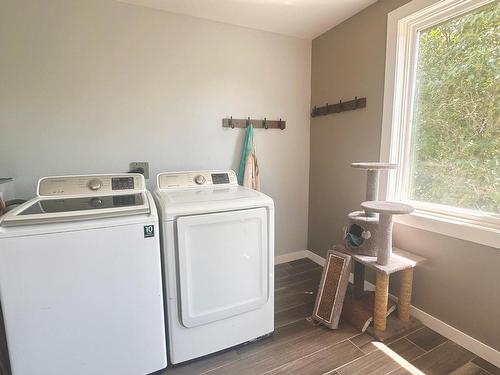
{"x": 141, "y": 167}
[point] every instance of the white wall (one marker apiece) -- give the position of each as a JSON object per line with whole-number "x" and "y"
{"x": 90, "y": 85}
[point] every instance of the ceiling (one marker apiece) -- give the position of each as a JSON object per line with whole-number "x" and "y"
{"x": 304, "y": 19}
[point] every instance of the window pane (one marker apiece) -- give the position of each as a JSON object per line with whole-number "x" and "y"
{"x": 456, "y": 129}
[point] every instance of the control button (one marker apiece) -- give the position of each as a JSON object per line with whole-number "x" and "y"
{"x": 96, "y": 202}
{"x": 200, "y": 179}
{"x": 94, "y": 184}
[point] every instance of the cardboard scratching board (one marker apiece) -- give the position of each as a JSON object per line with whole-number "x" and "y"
{"x": 332, "y": 288}
{"x": 359, "y": 311}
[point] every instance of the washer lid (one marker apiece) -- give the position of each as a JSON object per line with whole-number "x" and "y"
{"x": 50, "y": 210}
{"x": 82, "y": 197}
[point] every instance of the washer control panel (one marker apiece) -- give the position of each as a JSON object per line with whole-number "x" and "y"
{"x": 176, "y": 180}
{"x": 90, "y": 185}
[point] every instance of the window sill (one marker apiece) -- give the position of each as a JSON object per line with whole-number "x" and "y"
{"x": 451, "y": 226}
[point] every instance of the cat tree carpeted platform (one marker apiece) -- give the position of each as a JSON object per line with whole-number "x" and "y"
{"x": 373, "y": 173}
{"x": 385, "y": 210}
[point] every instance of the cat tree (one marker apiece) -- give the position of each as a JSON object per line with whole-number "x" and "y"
{"x": 368, "y": 240}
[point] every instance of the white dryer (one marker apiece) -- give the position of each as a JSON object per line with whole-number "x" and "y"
{"x": 218, "y": 249}
{"x": 80, "y": 279}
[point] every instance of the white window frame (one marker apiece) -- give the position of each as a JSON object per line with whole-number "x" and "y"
{"x": 403, "y": 26}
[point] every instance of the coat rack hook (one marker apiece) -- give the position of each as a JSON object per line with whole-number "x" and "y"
{"x": 264, "y": 124}
{"x": 280, "y": 123}
{"x": 248, "y": 122}
{"x": 231, "y": 124}
{"x": 340, "y": 106}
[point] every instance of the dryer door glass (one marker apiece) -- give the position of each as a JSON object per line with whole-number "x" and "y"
{"x": 223, "y": 264}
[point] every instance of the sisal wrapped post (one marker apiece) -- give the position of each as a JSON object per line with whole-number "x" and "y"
{"x": 405, "y": 289}
{"x": 381, "y": 300}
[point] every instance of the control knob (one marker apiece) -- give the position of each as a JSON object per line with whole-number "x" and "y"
{"x": 200, "y": 179}
{"x": 96, "y": 202}
{"x": 94, "y": 184}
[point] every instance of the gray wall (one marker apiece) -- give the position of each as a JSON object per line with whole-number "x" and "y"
{"x": 459, "y": 284}
{"x": 87, "y": 86}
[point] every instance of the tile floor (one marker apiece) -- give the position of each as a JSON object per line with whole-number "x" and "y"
{"x": 297, "y": 347}
{"x": 300, "y": 348}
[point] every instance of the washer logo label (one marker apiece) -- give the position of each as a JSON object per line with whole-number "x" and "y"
{"x": 149, "y": 231}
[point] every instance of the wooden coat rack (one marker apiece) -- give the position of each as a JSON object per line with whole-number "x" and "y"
{"x": 244, "y": 123}
{"x": 341, "y": 106}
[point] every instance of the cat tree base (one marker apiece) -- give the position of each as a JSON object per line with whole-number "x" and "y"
{"x": 395, "y": 328}
{"x": 400, "y": 262}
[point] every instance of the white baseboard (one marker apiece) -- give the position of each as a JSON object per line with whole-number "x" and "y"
{"x": 315, "y": 258}
{"x": 470, "y": 343}
{"x": 475, "y": 346}
{"x": 278, "y": 259}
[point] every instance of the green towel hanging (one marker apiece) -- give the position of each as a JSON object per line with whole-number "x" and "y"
{"x": 245, "y": 152}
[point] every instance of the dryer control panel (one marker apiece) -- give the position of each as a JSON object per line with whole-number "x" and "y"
{"x": 91, "y": 184}
{"x": 176, "y": 180}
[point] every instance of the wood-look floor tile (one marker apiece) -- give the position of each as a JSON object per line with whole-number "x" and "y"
{"x": 203, "y": 365}
{"x": 484, "y": 364}
{"x": 322, "y": 361}
{"x": 289, "y": 293}
{"x": 297, "y": 278}
{"x": 286, "y": 333}
{"x": 298, "y": 347}
{"x": 296, "y": 330}
{"x": 303, "y": 287}
{"x": 300, "y": 262}
{"x": 364, "y": 342}
{"x": 280, "y": 266}
{"x": 293, "y": 314}
{"x": 470, "y": 369}
{"x": 280, "y": 273}
{"x": 288, "y": 302}
{"x": 401, "y": 371}
{"x": 278, "y": 355}
{"x": 302, "y": 265}
{"x": 443, "y": 359}
{"x": 406, "y": 349}
{"x": 426, "y": 338}
{"x": 281, "y": 335}
{"x": 416, "y": 327}
{"x": 375, "y": 363}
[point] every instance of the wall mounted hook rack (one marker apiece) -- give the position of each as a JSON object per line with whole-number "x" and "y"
{"x": 263, "y": 124}
{"x": 341, "y": 106}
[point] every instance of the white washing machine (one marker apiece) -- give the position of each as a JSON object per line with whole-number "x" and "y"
{"x": 80, "y": 279}
{"x": 218, "y": 249}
